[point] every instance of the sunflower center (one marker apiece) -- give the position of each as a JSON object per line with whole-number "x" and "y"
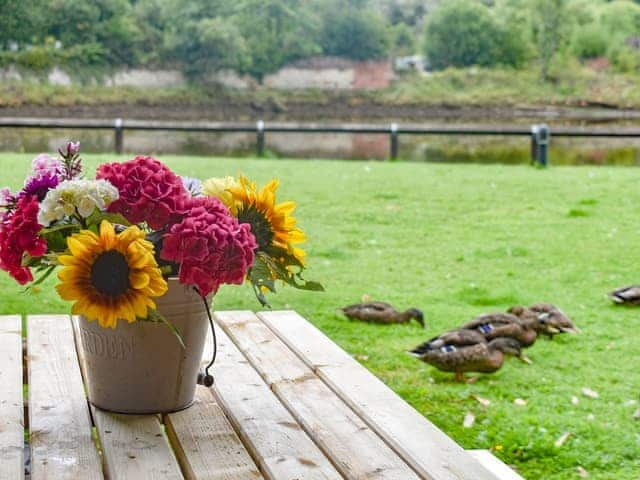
{"x": 110, "y": 274}
{"x": 260, "y": 225}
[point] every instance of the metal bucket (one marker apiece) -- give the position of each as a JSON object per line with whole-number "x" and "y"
{"x": 141, "y": 367}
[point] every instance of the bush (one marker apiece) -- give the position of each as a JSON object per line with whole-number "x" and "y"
{"x": 462, "y": 33}
{"x": 623, "y": 58}
{"x": 589, "y": 41}
{"x": 621, "y": 17}
{"x": 355, "y": 34}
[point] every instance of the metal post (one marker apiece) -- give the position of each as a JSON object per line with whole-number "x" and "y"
{"x": 394, "y": 141}
{"x": 543, "y": 143}
{"x": 119, "y": 135}
{"x": 260, "y": 138}
{"x": 534, "y": 144}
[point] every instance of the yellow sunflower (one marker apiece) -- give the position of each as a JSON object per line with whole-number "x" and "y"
{"x": 272, "y": 224}
{"x": 110, "y": 276}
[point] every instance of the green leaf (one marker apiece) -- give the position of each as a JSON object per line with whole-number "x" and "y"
{"x": 98, "y": 216}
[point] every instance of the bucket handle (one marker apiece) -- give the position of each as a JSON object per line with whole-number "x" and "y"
{"x": 205, "y": 378}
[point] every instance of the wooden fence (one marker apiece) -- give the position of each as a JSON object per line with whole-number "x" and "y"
{"x": 539, "y": 135}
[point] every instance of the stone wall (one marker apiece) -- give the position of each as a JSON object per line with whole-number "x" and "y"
{"x": 324, "y": 73}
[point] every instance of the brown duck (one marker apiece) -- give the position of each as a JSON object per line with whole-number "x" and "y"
{"x": 464, "y": 350}
{"x": 626, "y": 295}
{"x": 545, "y": 318}
{"x": 494, "y": 325}
{"x": 381, "y": 312}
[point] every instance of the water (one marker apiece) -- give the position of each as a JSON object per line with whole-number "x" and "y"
{"x": 422, "y": 148}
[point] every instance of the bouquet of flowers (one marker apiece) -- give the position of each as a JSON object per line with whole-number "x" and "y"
{"x": 119, "y": 236}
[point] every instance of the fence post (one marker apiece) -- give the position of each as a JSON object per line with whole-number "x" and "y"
{"x": 543, "y": 143}
{"x": 260, "y": 138}
{"x": 393, "y": 130}
{"x": 534, "y": 144}
{"x": 119, "y": 135}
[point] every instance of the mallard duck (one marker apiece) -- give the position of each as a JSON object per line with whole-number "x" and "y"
{"x": 494, "y": 325}
{"x": 381, "y": 312}
{"x": 626, "y": 295}
{"x": 465, "y": 350}
{"x": 545, "y": 318}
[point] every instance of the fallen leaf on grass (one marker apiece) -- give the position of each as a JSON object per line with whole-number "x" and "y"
{"x": 520, "y": 402}
{"x": 582, "y": 472}
{"x": 482, "y": 401}
{"x": 575, "y": 400}
{"x": 562, "y": 439}
{"x": 591, "y": 417}
{"x": 587, "y": 392}
{"x": 469, "y": 420}
{"x": 366, "y": 298}
{"x": 362, "y": 358}
{"x": 636, "y": 416}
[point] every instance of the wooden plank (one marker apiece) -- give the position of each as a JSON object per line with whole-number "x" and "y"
{"x": 11, "y": 407}
{"x": 355, "y": 450}
{"x": 425, "y": 447}
{"x": 61, "y": 443}
{"x": 205, "y": 443}
{"x": 495, "y": 465}
{"x": 274, "y": 439}
{"x": 134, "y": 446}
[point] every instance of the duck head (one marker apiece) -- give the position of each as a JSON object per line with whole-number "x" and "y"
{"x": 510, "y": 347}
{"x": 417, "y": 314}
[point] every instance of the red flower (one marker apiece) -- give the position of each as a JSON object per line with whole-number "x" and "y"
{"x": 149, "y": 191}
{"x": 209, "y": 246}
{"x": 19, "y": 234}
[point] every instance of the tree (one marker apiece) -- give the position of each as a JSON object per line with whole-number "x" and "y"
{"x": 354, "y": 33}
{"x": 551, "y": 27}
{"x": 276, "y": 32}
{"x": 461, "y": 33}
{"x": 210, "y": 45}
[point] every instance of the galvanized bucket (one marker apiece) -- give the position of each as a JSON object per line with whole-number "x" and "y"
{"x": 141, "y": 367}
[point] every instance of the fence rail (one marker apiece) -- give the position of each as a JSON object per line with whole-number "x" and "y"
{"x": 539, "y": 134}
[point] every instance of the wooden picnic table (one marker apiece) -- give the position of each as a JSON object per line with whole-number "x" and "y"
{"x": 287, "y": 403}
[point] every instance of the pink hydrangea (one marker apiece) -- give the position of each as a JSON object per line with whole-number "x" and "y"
{"x": 149, "y": 191}
{"x": 19, "y": 234}
{"x": 209, "y": 246}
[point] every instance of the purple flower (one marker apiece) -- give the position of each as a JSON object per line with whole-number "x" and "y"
{"x": 192, "y": 185}
{"x": 5, "y": 197}
{"x": 44, "y": 164}
{"x": 40, "y": 185}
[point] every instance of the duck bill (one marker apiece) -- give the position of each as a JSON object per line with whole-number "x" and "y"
{"x": 553, "y": 330}
{"x": 573, "y": 330}
{"x": 523, "y": 358}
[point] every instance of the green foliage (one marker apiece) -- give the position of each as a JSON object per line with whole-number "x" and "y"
{"x": 403, "y": 39}
{"x": 624, "y": 58}
{"x": 354, "y": 33}
{"x": 275, "y": 32}
{"x": 462, "y": 33}
{"x": 589, "y": 41}
{"x": 551, "y": 26}
{"x": 621, "y": 17}
{"x": 213, "y": 44}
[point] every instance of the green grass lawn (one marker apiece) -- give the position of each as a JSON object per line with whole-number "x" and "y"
{"x": 457, "y": 241}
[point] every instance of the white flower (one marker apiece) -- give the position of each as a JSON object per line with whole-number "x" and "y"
{"x": 83, "y": 196}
